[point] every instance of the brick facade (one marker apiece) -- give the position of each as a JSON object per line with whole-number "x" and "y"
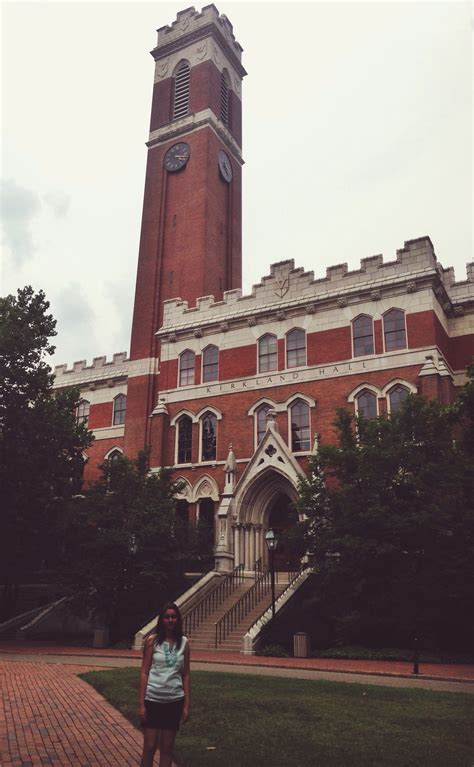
{"x": 191, "y": 247}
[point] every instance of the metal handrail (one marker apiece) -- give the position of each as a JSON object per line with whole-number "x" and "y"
{"x": 258, "y": 568}
{"x": 296, "y": 574}
{"x": 211, "y": 601}
{"x": 237, "y": 612}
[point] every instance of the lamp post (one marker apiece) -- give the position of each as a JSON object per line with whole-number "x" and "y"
{"x": 271, "y": 540}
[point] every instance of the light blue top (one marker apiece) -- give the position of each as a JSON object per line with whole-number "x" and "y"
{"x": 165, "y": 680}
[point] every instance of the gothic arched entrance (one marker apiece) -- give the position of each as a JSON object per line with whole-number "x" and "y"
{"x": 267, "y": 503}
{"x": 282, "y": 519}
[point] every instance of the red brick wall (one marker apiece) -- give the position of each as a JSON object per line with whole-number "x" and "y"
{"x": 161, "y": 103}
{"x": 329, "y": 346}
{"x": 100, "y": 415}
{"x": 378, "y": 337}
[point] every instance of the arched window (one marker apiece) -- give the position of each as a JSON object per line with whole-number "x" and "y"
{"x": 210, "y": 364}
{"x": 185, "y": 439}
{"x": 225, "y": 98}
{"x": 295, "y": 348}
{"x": 397, "y": 397}
{"x": 363, "y": 335}
{"x": 120, "y": 408}
{"x": 267, "y": 353}
{"x": 208, "y": 437}
{"x": 394, "y": 330}
{"x": 261, "y": 415}
{"x": 300, "y": 426}
{"x": 366, "y": 404}
{"x": 114, "y": 455}
{"x": 181, "y": 90}
{"x": 186, "y": 368}
{"x": 82, "y": 412}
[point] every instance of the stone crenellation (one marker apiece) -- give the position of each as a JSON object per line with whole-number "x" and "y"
{"x": 99, "y": 365}
{"x": 290, "y": 286}
{"x": 191, "y": 21}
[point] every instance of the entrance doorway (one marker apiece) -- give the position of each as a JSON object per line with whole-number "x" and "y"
{"x": 282, "y": 519}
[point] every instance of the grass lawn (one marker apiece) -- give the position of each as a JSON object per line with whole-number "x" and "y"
{"x": 239, "y": 720}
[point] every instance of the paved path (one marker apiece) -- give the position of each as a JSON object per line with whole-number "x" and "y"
{"x": 54, "y": 718}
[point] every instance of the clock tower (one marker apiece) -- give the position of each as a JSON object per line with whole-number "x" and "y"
{"x": 191, "y": 231}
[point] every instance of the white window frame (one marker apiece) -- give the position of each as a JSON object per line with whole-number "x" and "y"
{"x": 180, "y": 385}
{"x": 274, "y": 370}
{"x": 292, "y": 401}
{"x": 202, "y": 363}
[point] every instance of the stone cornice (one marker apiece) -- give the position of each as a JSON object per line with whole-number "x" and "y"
{"x": 192, "y": 123}
{"x": 194, "y": 36}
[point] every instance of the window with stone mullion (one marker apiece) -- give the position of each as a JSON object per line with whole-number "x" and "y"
{"x": 367, "y": 405}
{"x": 210, "y": 364}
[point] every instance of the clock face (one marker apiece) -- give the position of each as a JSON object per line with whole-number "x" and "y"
{"x": 225, "y": 166}
{"x": 177, "y": 157}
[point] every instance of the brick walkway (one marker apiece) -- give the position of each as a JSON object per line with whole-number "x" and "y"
{"x": 49, "y": 716}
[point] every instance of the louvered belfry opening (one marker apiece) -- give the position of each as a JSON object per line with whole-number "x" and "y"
{"x": 225, "y": 113}
{"x": 181, "y": 91}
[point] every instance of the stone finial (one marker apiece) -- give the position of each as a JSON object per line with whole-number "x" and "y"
{"x": 230, "y": 464}
{"x": 230, "y": 470}
{"x": 272, "y": 424}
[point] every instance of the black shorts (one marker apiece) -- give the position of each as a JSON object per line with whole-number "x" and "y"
{"x": 163, "y": 716}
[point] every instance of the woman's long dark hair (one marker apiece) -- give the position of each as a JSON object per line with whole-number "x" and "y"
{"x": 160, "y": 625}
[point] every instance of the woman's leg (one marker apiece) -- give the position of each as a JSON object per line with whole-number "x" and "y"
{"x": 150, "y": 743}
{"x": 167, "y": 738}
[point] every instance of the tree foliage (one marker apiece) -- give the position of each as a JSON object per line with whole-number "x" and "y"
{"x": 390, "y": 525}
{"x": 40, "y": 443}
{"x": 125, "y": 548}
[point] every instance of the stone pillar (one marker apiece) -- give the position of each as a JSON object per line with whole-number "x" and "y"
{"x": 252, "y": 546}
{"x": 258, "y": 542}
{"x": 235, "y": 528}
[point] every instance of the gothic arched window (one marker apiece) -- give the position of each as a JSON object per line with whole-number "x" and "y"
{"x": 397, "y": 397}
{"x": 267, "y": 353}
{"x": 366, "y": 403}
{"x": 210, "y": 364}
{"x": 120, "y": 408}
{"x": 82, "y": 412}
{"x": 394, "y": 330}
{"x": 208, "y": 437}
{"x": 295, "y": 348}
{"x": 300, "y": 426}
{"x": 114, "y": 455}
{"x": 225, "y": 98}
{"x": 181, "y": 90}
{"x": 186, "y": 368}
{"x": 261, "y": 415}
{"x": 185, "y": 439}
{"x": 363, "y": 335}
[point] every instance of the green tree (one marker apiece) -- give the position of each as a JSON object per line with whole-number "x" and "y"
{"x": 391, "y": 528}
{"x": 125, "y": 547}
{"x": 40, "y": 443}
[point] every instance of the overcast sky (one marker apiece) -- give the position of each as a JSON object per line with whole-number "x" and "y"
{"x": 357, "y": 136}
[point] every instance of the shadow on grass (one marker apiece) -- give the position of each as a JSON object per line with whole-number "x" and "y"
{"x": 242, "y": 721}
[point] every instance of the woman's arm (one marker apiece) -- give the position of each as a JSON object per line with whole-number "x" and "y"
{"x": 145, "y": 670}
{"x": 186, "y": 682}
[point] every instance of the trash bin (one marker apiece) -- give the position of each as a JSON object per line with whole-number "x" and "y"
{"x": 301, "y": 645}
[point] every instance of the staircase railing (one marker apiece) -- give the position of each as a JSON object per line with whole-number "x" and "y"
{"x": 211, "y": 601}
{"x": 292, "y": 578}
{"x": 258, "y": 568}
{"x": 246, "y": 603}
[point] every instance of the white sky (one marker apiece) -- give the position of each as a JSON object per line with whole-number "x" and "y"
{"x": 357, "y": 136}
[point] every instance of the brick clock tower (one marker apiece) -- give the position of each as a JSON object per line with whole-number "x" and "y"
{"x": 191, "y": 230}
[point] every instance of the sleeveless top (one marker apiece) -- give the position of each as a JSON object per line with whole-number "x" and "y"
{"x": 165, "y": 681}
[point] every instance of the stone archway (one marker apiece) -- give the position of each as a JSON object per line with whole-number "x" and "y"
{"x": 267, "y": 501}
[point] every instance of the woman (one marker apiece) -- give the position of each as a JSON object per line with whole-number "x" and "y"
{"x": 164, "y": 686}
